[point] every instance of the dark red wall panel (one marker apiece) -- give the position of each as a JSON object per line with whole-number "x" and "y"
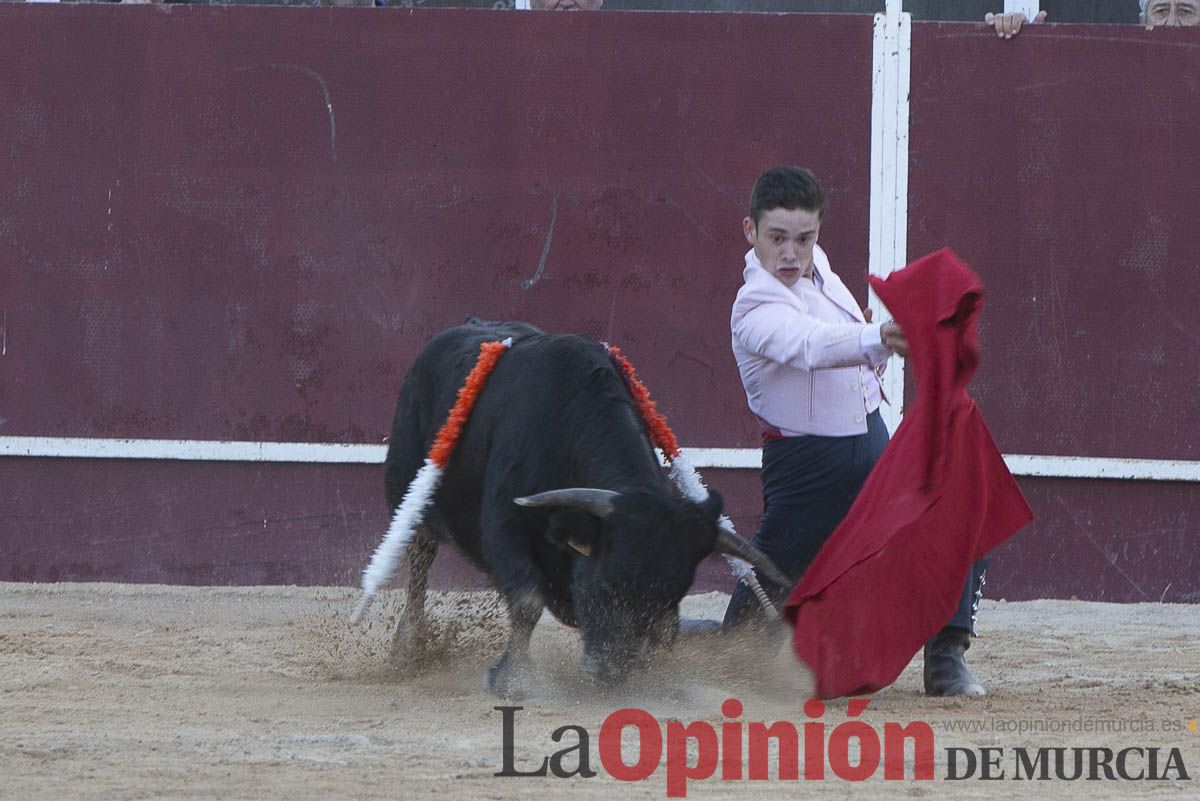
{"x": 1074, "y": 195}
{"x": 222, "y": 523}
{"x": 226, "y": 523}
{"x": 1123, "y": 541}
{"x": 189, "y": 522}
{"x": 1060, "y": 166}
{"x": 244, "y": 222}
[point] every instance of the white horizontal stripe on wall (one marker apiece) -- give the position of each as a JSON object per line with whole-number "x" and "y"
{"x": 718, "y": 458}
{"x": 191, "y": 450}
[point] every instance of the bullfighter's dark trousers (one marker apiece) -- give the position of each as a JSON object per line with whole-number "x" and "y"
{"x": 809, "y": 484}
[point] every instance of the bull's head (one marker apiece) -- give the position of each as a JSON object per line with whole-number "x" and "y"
{"x": 638, "y": 553}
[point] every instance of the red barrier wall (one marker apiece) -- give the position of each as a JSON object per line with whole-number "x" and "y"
{"x": 242, "y": 223}
{"x": 218, "y": 233}
{"x": 1074, "y": 194}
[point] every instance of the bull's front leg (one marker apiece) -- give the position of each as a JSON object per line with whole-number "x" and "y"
{"x": 507, "y": 553}
{"x": 508, "y": 677}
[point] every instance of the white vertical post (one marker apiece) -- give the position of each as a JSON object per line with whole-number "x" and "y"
{"x": 1029, "y": 8}
{"x": 889, "y": 173}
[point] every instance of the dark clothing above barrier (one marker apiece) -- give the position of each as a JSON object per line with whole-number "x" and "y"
{"x": 1109, "y": 11}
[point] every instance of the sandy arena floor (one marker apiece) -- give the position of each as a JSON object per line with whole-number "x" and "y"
{"x": 114, "y": 691}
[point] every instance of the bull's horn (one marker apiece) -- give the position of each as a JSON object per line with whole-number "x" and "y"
{"x": 597, "y": 501}
{"x": 732, "y": 544}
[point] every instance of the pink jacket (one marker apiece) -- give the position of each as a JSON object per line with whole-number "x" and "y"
{"x": 800, "y": 357}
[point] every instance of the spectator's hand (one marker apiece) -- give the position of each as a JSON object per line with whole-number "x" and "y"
{"x": 894, "y": 339}
{"x": 1009, "y": 25}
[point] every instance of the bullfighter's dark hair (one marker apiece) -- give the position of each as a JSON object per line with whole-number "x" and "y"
{"x": 786, "y": 188}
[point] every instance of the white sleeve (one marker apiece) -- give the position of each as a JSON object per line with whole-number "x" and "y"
{"x": 783, "y": 334}
{"x": 871, "y": 343}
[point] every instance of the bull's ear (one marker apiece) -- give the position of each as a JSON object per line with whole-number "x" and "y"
{"x": 713, "y": 505}
{"x": 574, "y": 529}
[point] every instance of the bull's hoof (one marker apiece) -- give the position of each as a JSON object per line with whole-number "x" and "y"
{"x": 410, "y": 644}
{"x": 504, "y": 681}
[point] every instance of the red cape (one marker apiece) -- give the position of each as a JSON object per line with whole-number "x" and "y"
{"x": 940, "y": 497}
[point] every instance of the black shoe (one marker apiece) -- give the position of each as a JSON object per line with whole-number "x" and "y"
{"x": 946, "y": 671}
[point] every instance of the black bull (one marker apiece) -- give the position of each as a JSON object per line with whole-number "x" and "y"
{"x": 555, "y": 492}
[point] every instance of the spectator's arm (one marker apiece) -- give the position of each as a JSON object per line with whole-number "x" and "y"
{"x": 1009, "y": 25}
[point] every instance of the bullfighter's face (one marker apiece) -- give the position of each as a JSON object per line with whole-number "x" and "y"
{"x": 783, "y": 240}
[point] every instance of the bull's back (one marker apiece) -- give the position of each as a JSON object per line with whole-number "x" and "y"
{"x": 442, "y": 366}
{"x": 546, "y": 387}
{"x": 430, "y": 389}
{"x": 553, "y": 408}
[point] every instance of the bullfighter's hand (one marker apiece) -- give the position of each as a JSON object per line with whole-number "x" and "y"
{"x": 893, "y": 338}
